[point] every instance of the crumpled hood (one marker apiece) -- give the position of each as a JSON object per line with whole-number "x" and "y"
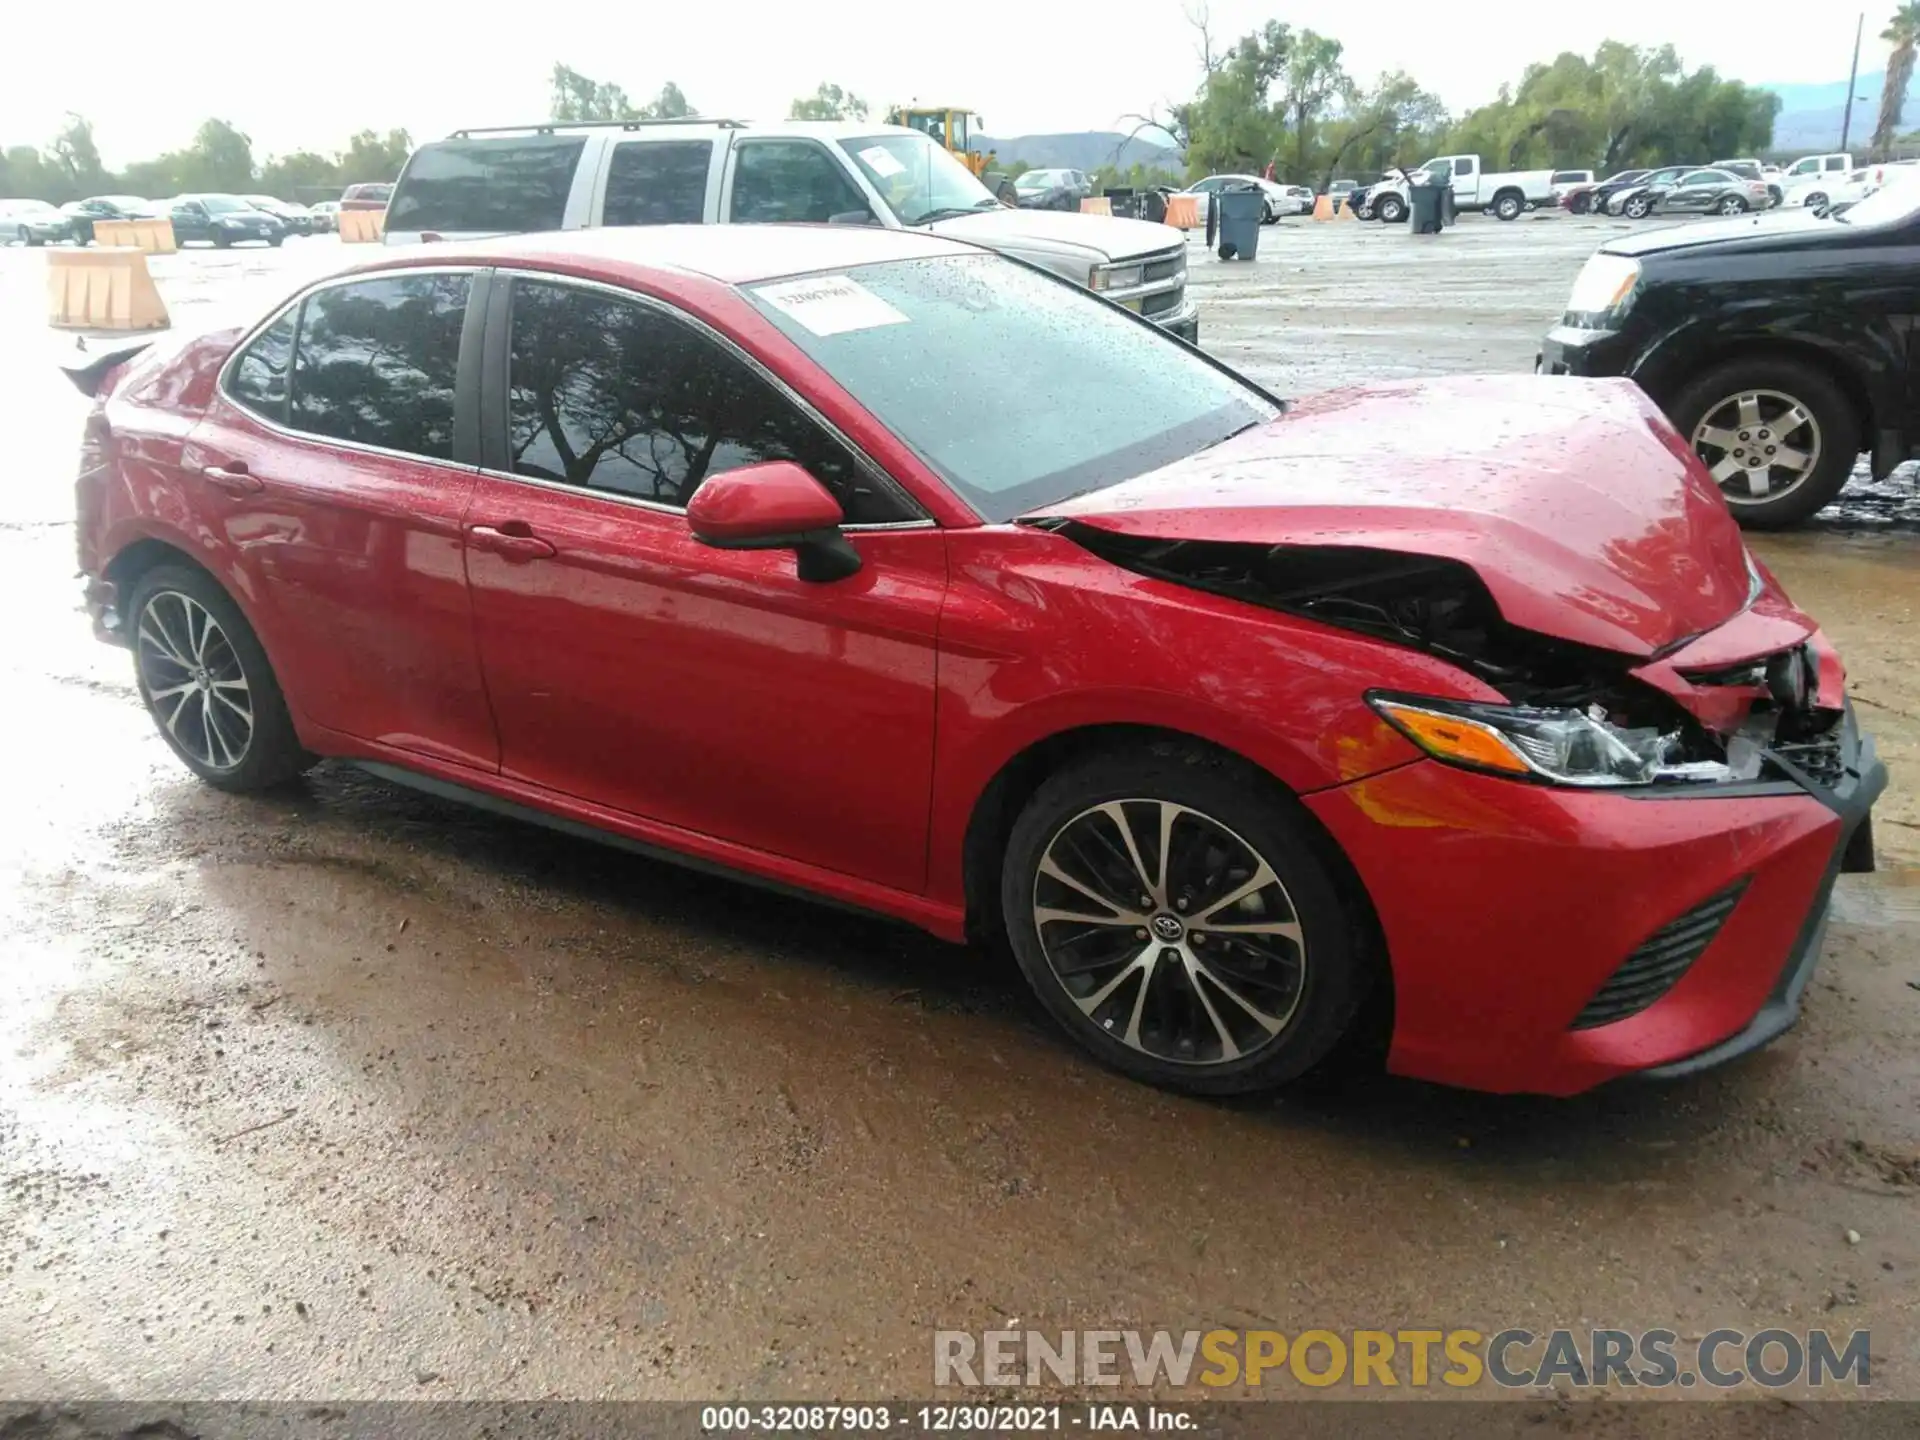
{"x": 1584, "y": 514}
{"x": 1054, "y": 230}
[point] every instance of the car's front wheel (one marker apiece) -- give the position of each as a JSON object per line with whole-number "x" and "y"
{"x": 1816, "y": 201}
{"x": 1171, "y": 912}
{"x": 1638, "y": 208}
{"x": 205, "y": 680}
{"x": 1390, "y": 210}
{"x": 1778, "y": 437}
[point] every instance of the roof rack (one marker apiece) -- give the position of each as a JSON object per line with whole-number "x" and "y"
{"x": 549, "y": 127}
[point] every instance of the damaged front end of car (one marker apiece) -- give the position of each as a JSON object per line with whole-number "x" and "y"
{"x": 1573, "y": 715}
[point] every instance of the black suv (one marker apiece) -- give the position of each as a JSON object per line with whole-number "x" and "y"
{"x": 1777, "y": 345}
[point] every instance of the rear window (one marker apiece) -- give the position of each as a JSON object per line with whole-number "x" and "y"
{"x": 512, "y": 183}
{"x": 658, "y": 182}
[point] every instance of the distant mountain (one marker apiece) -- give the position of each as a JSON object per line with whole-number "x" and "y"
{"x": 1810, "y": 115}
{"x": 1082, "y": 150}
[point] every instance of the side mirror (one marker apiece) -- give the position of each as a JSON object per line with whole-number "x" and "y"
{"x": 775, "y": 506}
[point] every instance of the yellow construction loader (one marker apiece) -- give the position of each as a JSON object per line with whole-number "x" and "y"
{"x": 954, "y": 128}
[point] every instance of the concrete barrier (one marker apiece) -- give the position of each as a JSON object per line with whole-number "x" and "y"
{"x": 154, "y": 237}
{"x": 1183, "y": 212}
{"x": 105, "y": 289}
{"x": 1096, "y": 205}
{"x": 362, "y": 227}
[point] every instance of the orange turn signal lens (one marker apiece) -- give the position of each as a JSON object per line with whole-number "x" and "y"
{"x": 1450, "y": 737}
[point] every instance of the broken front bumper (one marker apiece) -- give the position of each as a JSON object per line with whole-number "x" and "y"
{"x": 1507, "y": 907}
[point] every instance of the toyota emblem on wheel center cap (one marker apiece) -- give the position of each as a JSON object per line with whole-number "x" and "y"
{"x": 1168, "y": 927}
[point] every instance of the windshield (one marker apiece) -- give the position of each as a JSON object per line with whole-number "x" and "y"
{"x": 222, "y": 205}
{"x": 1017, "y": 389}
{"x": 28, "y": 207}
{"x": 1898, "y": 199}
{"x": 918, "y": 180}
{"x": 1034, "y": 180}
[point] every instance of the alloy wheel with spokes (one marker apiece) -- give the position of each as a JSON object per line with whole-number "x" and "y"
{"x": 194, "y": 681}
{"x": 1175, "y": 911}
{"x": 1758, "y": 444}
{"x": 1169, "y": 931}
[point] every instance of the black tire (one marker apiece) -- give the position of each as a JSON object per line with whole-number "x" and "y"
{"x": 1325, "y": 981}
{"x": 1816, "y": 201}
{"x": 1390, "y": 210}
{"x": 221, "y": 240}
{"x": 272, "y": 754}
{"x": 1580, "y": 204}
{"x": 1833, "y": 414}
{"x": 28, "y": 238}
{"x": 1508, "y": 206}
{"x": 1774, "y": 196}
{"x": 1637, "y": 208}
{"x": 1226, "y": 251}
{"x": 1731, "y": 205}
{"x": 276, "y": 240}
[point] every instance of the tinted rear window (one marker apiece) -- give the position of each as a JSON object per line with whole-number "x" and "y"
{"x": 658, "y": 182}
{"x": 516, "y": 183}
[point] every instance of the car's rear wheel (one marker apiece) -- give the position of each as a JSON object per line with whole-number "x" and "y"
{"x": 1171, "y": 912}
{"x": 1732, "y": 205}
{"x": 1390, "y": 210}
{"x": 1580, "y": 204}
{"x": 205, "y": 680}
{"x": 1778, "y": 437}
{"x": 1817, "y": 200}
{"x": 1508, "y": 207}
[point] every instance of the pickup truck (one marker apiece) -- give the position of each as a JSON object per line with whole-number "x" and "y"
{"x": 1505, "y": 193}
{"x": 1814, "y": 180}
{"x": 563, "y": 176}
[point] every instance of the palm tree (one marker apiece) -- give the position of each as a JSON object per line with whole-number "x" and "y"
{"x": 1902, "y": 33}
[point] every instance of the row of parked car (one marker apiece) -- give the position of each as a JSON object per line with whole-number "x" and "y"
{"x": 211, "y": 219}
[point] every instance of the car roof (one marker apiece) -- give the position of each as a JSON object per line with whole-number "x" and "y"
{"x": 730, "y": 254}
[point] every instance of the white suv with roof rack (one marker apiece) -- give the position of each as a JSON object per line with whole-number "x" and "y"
{"x": 560, "y": 176}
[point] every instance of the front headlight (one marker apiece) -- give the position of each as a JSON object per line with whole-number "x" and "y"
{"x": 1602, "y": 291}
{"x": 1564, "y": 747}
{"x": 1115, "y": 277}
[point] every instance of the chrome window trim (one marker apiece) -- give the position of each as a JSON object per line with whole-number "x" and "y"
{"x": 861, "y": 458}
{"x": 331, "y": 282}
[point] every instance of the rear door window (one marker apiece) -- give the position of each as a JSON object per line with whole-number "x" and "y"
{"x": 378, "y": 360}
{"x": 258, "y": 380}
{"x": 658, "y": 182}
{"x": 791, "y": 180}
{"x": 499, "y": 184}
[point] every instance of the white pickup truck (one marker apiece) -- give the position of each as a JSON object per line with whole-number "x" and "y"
{"x": 716, "y": 172}
{"x": 1506, "y": 193}
{"x": 1816, "y": 180}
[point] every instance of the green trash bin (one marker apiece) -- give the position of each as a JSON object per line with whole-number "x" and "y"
{"x": 1241, "y": 210}
{"x": 1426, "y": 204}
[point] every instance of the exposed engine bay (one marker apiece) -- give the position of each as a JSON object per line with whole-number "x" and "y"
{"x": 1442, "y": 608}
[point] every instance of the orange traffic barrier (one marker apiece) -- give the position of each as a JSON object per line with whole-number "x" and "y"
{"x": 155, "y": 237}
{"x": 1323, "y": 208}
{"x": 1183, "y": 212}
{"x": 107, "y": 289}
{"x": 1096, "y": 205}
{"x": 362, "y": 227}
{"x": 1343, "y": 209}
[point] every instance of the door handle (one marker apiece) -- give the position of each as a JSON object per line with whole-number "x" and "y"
{"x": 233, "y": 479}
{"x": 511, "y": 540}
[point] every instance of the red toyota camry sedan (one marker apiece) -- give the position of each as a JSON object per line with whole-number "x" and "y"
{"x": 898, "y": 573}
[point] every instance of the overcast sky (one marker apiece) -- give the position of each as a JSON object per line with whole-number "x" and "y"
{"x": 147, "y": 73}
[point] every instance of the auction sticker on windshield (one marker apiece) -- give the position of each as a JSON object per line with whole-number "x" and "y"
{"x": 830, "y": 304}
{"x": 881, "y": 162}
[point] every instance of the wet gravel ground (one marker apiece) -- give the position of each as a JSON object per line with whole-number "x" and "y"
{"x": 351, "y": 1093}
